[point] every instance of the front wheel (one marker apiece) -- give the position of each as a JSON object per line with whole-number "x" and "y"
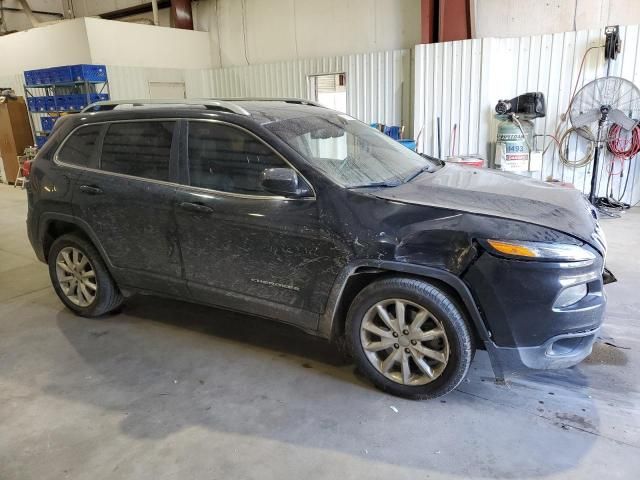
{"x": 409, "y": 338}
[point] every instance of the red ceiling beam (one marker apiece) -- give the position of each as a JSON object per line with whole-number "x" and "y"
{"x": 181, "y": 16}
{"x": 445, "y": 20}
{"x": 455, "y": 20}
{"x": 429, "y": 21}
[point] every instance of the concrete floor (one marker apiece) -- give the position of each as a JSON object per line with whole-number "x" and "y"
{"x": 168, "y": 389}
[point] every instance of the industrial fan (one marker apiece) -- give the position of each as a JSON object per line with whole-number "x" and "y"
{"x": 600, "y": 105}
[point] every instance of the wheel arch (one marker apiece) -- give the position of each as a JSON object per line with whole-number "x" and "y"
{"x": 354, "y": 278}
{"x": 54, "y": 225}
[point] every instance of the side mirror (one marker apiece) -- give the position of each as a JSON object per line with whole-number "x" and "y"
{"x": 285, "y": 182}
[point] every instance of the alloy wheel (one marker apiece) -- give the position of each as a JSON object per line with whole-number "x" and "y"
{"x": 76, "y": 276}
{"x": 404, "y": 341}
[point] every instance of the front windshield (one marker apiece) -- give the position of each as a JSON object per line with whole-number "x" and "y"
{"x": 350, "y": 152}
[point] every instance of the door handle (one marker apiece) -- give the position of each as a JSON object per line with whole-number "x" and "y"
{"x": 90, "y": 190}
{"x": 196, "y": 207}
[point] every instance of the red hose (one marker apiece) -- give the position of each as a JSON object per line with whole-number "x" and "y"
{"x": 621, "y": 147}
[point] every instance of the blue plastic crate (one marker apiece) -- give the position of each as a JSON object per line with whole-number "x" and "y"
{"x": 39, "y": 104}
{"x": 31, "y": 104}
{"x": 76, "y": 101}
{"x": 35, "y": 77}
{"x": 393, "y": 131}
{"x": 45, "y": 76}
{"x": 61, "y": 74}
{"x": 71, "y": 102}
{"x": 40, "y": 141}
{"x": 80, "y": 101}
{"x": 89, "y": 73}
{"x": 29, "y": 77}
{"x": 50, "y": 103}
{"x": 47, "y": 123}
{"x": 60, "y": 102}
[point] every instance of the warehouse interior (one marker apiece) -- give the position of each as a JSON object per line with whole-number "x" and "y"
{"x": 169, "y": 388}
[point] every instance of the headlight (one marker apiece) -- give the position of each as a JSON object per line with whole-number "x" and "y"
{"x": 559, "y": 252}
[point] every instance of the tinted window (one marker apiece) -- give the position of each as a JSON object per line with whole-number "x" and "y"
{"x": 228, "y": 159}
{"x": 80, "y": 147}
{"x": 141, "y": 149}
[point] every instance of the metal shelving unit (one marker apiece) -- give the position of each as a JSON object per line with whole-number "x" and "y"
{"x": 83, "y": 92}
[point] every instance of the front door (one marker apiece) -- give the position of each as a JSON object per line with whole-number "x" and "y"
{"x": 127, "y": 201}
{"x": 243, "y": 247}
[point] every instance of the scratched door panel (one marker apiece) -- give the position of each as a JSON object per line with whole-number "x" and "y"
{"x": 268, "y": 249}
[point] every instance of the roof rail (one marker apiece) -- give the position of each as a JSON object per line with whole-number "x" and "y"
{"x": 219, "y": 105}
{"x": 299, "y": 101}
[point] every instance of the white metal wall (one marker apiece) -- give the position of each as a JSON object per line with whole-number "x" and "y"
{"x": 461, "y": 82}
{"x": 378, "y": 84}
{"x": 15, "y": 82}
{"x": 133, "y": 82}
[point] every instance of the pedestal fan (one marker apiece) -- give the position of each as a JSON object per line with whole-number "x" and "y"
{"x": 597, "y": 107}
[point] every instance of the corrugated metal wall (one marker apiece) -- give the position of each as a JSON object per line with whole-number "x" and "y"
{"x": 460, "y": 82}
{"x": 378, "y": 84}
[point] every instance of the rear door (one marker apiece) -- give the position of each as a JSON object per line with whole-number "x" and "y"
{"x": 127, "y": 200}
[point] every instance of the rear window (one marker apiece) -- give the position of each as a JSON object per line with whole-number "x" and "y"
{"x": 139, "y": 149}
{"x": 80, "y": 147}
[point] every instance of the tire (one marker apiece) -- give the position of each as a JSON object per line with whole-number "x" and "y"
{"x": 393, "y": 358}
{"x": 104, "y": 297}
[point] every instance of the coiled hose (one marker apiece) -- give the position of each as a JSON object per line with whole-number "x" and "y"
{"x": 563, "y": 147}
{"x": 625, "y": 148}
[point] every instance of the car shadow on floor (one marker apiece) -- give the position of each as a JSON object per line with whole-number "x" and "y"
{"x": 167, "y": 365}
{"x": 239, "y": 327}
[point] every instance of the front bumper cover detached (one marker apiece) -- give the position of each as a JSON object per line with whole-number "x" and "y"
{"x": 528, "y": 329}
{"x": 561, "y": 351}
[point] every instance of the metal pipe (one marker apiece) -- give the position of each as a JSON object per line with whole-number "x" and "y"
{"x": 39, "y": 12}
{"x": 29, "y": 13}
{"x": 154, "y": 6}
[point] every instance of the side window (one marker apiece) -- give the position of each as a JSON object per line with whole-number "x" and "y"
{"x": 140, "y": 149}
{"x": 80, "y": 147}
{"x": 228, "y": 159}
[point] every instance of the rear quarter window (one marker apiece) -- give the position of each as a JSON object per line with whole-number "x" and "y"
{"x": 80, "y": 148}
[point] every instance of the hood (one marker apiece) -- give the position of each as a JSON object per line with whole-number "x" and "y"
{"x": 500, "y": 194}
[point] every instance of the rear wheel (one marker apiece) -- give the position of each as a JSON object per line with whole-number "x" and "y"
{"x": 409, "y": 338}
{"x": 80, "y": 277}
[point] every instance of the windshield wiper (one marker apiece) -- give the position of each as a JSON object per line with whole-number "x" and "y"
{"x": 438, "y": 161}
{"x": 375, "y": 184}
{"x": 426, "y": 168}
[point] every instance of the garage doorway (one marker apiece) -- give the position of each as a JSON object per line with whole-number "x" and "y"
{"x": 166, "y": 90}
{"x": 329, "y": 90}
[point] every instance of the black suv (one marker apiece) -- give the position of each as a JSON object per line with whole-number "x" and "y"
{"x": 288, "y": 210}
